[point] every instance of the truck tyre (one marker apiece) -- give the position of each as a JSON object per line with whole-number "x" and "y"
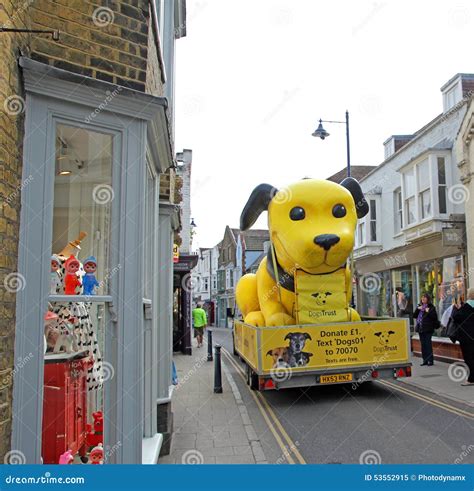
{"x": 253, "y": 380}
{"x": 234, "y": 351}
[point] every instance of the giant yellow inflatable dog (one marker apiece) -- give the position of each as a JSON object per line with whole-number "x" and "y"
{"x": 305, "y": 278}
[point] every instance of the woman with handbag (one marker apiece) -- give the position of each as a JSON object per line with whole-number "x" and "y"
{"x": 426, "y": 322}
{"x": 463, "y": 317}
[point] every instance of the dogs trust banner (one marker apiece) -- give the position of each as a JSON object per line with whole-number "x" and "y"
{"x": 325, "y": 346}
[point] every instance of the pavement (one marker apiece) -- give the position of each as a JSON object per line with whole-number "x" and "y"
{"x": 210, "y": 428}
{"x": 443, "y": 379}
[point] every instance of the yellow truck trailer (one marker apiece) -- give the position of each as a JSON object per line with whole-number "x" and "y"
{"x": 322, "y": 354}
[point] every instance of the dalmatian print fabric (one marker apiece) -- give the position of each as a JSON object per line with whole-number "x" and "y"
{"x": 83, "y": 327}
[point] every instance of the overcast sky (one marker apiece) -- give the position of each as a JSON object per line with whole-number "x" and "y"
{"x": 254, "y": 76}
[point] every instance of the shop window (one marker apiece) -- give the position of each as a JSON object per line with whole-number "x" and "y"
{"x": 373, "y": 220}
{"x": 409, "y": 180}
{"x": 81, "y": 270}
{"x": 398, "y": 210}
{"x": 402, "y": 297}
{"x": 441, "y": 165}
{"x": 451, "y": 282}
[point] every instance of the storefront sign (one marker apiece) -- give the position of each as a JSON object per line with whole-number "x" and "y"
{"x": 453, "y": 236}
{"x": 175, "y": 253}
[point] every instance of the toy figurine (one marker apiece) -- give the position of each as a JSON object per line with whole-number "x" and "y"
{"x": 51, "y": 333}
{"x": 66, "y": 458}
{"x": 71, "y": 280}
{"x": 55, "y": 279}
{"x": 95, "y": 433}
{"x": 89, "y": 281}
{"x": 67, "y": 338}
{"x": 96, "y": 455}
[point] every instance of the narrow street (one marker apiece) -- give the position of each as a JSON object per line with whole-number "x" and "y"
{"x": 388, "y": 422}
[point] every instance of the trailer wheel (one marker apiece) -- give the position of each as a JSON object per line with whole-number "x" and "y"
{"x": 234, "y": 351}
{"x": 252, "y": 378}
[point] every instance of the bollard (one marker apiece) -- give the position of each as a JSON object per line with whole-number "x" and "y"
{"x": 217, "y": 371}
{"x": 209, "y": 345}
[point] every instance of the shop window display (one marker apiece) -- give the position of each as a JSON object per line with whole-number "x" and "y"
{"x": 74, "y": 330}
{"x": 451, "y": 283}
{"x": 377, "y": 302}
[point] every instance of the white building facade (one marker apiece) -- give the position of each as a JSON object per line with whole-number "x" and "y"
{"x": 412, "y": 240}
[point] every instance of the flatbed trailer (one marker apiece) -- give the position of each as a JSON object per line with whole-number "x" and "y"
{"x": 323, "y": 354}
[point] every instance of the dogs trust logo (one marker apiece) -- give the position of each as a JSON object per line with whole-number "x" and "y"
{"x": 384, "y": 341}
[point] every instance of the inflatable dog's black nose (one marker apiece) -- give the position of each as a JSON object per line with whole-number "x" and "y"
{"x": 326, "y": 241}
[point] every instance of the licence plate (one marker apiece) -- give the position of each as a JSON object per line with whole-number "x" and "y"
{"x": 335, "y": 378}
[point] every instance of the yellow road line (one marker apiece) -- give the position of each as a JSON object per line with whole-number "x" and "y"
{"x": 429, "y": 400}
{"x": 282, "y": 430}
{"x": 286, "y": 451}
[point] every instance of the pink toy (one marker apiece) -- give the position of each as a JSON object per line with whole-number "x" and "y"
{"x": 71, "y": 281}
{"x": 96, "y": 455}
{"x": 51, "y": 333}
{"x": 66, "y": 457}
{"x": 55, "y": 282}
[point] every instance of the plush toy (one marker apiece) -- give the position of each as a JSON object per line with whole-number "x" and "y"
{"x": 305, "y": 278}
{"x": 95, "y": 434}
{"x": 66, "y": 457}
{"x": 67, "y": 338}
{"x": 55, "y": 282}
{"x": 96, "y": 455}
{"x": 71, "y": 280}
{"x": 51, "y": 333}
{"x": 89, "y": 281}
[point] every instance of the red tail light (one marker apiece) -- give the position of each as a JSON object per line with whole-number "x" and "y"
{"x": 269, "y": 384}
{"x": 375, "y": 374}
{"x": 400, "y": 373}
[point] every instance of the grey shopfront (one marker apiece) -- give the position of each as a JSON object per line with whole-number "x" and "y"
{"x": 92, "y": 169}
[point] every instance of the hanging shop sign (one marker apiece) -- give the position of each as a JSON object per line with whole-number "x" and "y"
{"x": 452, "y": 236}
{"x": 175, "y": 253}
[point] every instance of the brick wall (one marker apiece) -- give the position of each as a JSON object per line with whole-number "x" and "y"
{"x": 104, "y": 39}
{"x": 13, "y": 13}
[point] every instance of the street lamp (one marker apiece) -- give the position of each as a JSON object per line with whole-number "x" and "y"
{"x": 320, "y": 132}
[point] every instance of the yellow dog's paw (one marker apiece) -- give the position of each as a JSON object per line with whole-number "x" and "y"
{"x": 255, "y": 319}
{"x": 280, "y": 319}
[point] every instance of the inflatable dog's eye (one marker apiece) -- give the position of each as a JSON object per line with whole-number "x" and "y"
{"x": 297, "y": 213}
{"x": 339, "y": 211}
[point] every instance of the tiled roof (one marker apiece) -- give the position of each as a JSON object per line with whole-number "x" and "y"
{"x": 254, "y": 239}
{"x": 358, "y": 172}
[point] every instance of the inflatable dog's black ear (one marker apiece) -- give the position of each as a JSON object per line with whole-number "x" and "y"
{"x": 256, "y": 204}
{"x": 354, "y": 188}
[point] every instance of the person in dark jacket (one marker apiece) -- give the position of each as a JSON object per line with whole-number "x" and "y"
{"x": 426, "y": 322}
{"x": 463, "y": 318}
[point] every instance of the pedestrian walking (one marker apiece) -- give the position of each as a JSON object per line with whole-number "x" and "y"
{"x": 200, "y": 323}
{"x": 426, "y": 322}
{"x": 463, "y": 317}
